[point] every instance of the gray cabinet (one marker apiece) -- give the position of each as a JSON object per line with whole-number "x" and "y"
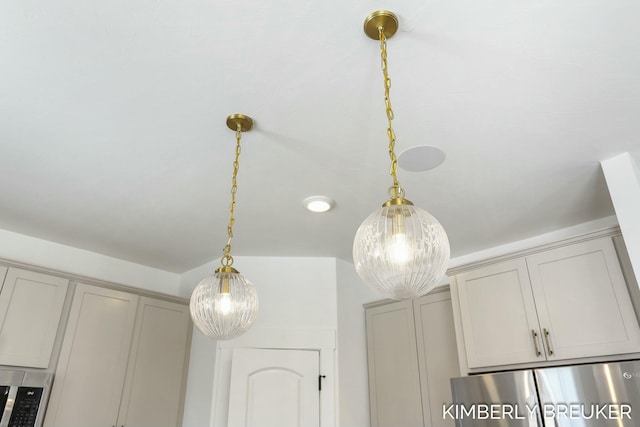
{"x": 153, "y": 386}
{"x": 564, "y": 303}
{"x": 412, "y": 354}
{"x": 122, "y": 362}
{"x": 31, "y": 306}
{"x": 437, "y": 355}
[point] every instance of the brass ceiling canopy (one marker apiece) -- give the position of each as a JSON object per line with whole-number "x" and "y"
{"x": 381, "y": 18}
{"x": 245, "y": 122}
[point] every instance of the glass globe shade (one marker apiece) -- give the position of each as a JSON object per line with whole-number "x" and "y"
{"x": 401, "y": 251}
{"x": 224, "y": 305}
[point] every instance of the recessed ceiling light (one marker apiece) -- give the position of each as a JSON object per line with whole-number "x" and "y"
{"x": 421, "y": 158}
{"x": 318, "y": 203}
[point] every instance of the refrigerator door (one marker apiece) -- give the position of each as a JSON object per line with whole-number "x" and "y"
{"x": 507, "y": 399}
{"x": 4, "y": 396}
{"x": 600, "y": 395}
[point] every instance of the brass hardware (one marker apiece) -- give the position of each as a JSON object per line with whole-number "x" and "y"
{"x": 546, "y": 338}
{"x": 381, "y": 25}
{"x": 242, "y": 123}
{"x": 226, "y": 269}
{"x": 381, "y": 18}
{"x": 534, "y": 334}
{"x": 223, "y": 286}
{"x": 245, "y": 121}
{"x": 398, "y": 201}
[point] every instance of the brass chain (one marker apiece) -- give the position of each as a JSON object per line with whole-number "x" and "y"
{"x": 227, "y": 259}
{"x": 398, "y": 191}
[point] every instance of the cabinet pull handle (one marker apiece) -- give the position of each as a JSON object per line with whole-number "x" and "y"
{"x": 546, "y": 338}
{"x": 534, "y": 335}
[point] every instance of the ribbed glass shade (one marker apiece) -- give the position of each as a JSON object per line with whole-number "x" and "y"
{"x": 224, "y": 305}
{"x": 401, "y": 251}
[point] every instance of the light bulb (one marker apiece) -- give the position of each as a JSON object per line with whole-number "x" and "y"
{"x": 399, "y": 250}
{"x": 224, "y": 304}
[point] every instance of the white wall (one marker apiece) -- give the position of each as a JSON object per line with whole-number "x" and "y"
{"x": 623, "y": 182}
{"x": 532, "y": 242}
{"x": 297, "y": 297}
{"x": 42, "y": 253}
{"x": 353, "y": 387}
{"x": 197, "y": 405}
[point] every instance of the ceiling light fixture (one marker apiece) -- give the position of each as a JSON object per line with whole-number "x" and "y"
{"x": 400, "y": 250}
{"x": 225, "y": 305}
{"x": 318, "y": 204}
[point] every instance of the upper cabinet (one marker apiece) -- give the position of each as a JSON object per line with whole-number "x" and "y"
{"x": 31, "y": 306}
{"x": 154, "y": 383}
{"x": 93, "y": 360}
{"x": 394, "y": 379}
{"x": 123, "y": 362}
{"x": 437, "y": 355}
{"x": 412, "y": 356}
{"x": 565, "y": 303}
{"x": 498, "y": 315}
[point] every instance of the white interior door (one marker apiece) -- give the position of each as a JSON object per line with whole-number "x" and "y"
{"x": 274, "y": 388}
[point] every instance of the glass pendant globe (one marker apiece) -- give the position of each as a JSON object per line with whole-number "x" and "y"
{"x": 401, "y": 251}
{"x": 224, "y": 305}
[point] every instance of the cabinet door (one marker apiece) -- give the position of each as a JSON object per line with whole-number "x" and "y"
{"x": 583, "y": 302}
{"x": 30, "y": 305}
{"x": 437, "y": 355}
{"x": 155, "y": 375}
{"x": 498, "y": 315}
{"x": 394, "y": 385}
{"x": 90, "y": 374}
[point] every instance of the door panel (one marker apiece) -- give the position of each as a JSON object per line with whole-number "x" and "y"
{"x": 601, "y": 320}
{"x": 498, "y": 315}
{"x": 274, "y": 388}
{"x": 153, "y": 384}
{"x": 30, "y": 308}
{"x": 394, "y": 379}
{"x": 90, "y": 374}
{"x": 437, "y": 355}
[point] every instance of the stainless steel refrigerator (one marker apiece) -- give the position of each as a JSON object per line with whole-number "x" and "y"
{"x": 597, "y": 395}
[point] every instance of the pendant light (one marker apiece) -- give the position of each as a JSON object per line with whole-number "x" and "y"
{"x": 400, "y": 250}
{"x": 225, "y": 305}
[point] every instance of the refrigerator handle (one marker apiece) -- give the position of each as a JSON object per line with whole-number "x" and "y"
{"x": 534, "y": 335}
{"x": 546, "y": 338}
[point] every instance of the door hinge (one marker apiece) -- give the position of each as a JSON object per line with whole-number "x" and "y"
{"x": 320, "y": 377}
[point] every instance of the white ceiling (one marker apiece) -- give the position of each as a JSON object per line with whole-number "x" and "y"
{"x": 113, "y": 136}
